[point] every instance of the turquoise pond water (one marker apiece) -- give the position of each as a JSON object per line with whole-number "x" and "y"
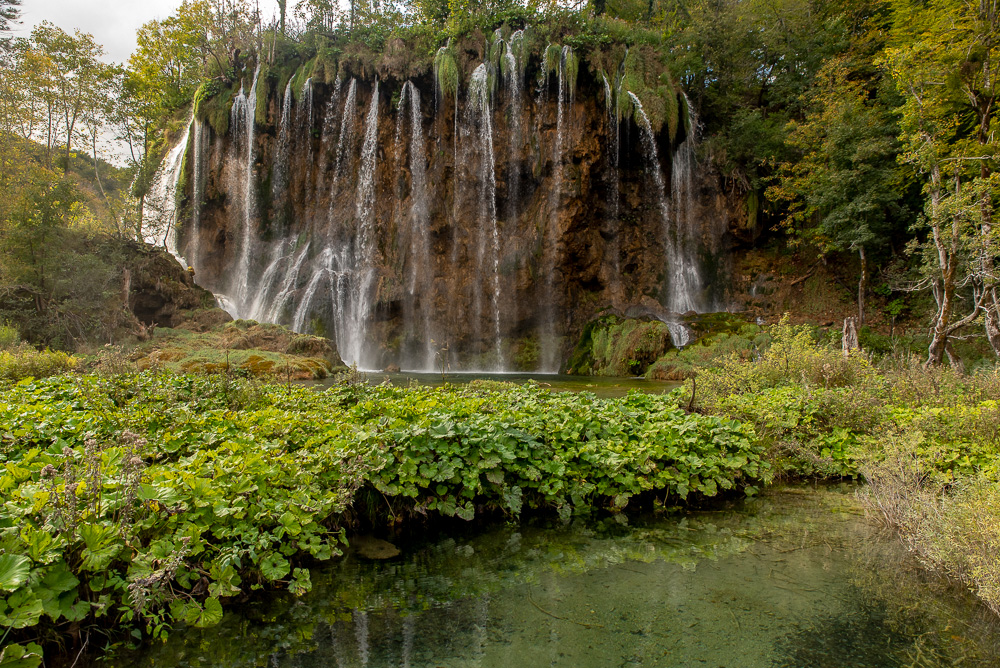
{"x": 796, "y": 578}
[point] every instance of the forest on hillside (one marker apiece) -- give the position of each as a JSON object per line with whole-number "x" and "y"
{"x": 864, "y": 131}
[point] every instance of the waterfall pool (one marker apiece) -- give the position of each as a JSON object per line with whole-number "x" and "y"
{"x": 602, "y": 386}
{"x": 795, "y": 578}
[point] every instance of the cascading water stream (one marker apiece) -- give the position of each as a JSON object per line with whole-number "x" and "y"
{"x": 681, "y": 268}
{"x": 420, "y": 282}
{"x": 682, "y": 236}
{"x": 329, "y": 127}
{"x": 614, "y": 247}
{"x": 365, "y": 262}
{"x": 346, "y": 135}
{"x": 549, "y": 348}
{"x": 512, "y": 67}
{"x": 304, "y": 128}
{"x": 489, "y": 233}
{"x": 199, "y": 173}
{"x": 243, "y": 125}
{"x": 279, "y": 169}
{"x": 160, "y": 214}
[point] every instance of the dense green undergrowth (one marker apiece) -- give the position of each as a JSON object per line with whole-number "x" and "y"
{"x": 927, "y": 441}
{"x": 137, "y": 501}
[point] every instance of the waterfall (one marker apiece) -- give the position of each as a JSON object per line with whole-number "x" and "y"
{"x": 346, "y": 134}
{"x": 199, "y": 174}
{"x": 262, "y": 296}
{"x": 420, "y": 282}
{"x": 304, "y": 129}
{"x": 279, "y": 169}
{"x": 549, "y": 348}
{"x": 304, "y": 118}
{"x": 340, "y": 285}
{"x": 355, "y": 241}
{"x": 489, "y": 238}
{"x": 684, "y": 281}
{"x": 614, "y": 249}
{"x": 243, "y": 125}
{"x": 275, "y": 307}
{"x": 161, "y": 213}
{"x": 513, "y": 69}
{"x": 613, "y": 147}
{"x": 329, "y": 124}
{"x": 365, "y": 260}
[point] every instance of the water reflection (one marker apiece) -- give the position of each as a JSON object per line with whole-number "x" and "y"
{"x": 796, "y": 578}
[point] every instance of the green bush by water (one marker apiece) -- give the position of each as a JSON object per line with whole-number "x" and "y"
{"x": 927, "y": 441}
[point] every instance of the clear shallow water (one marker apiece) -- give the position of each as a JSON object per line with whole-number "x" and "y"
{"x": 602, "y": 386}
{"x": 796, "y": 578}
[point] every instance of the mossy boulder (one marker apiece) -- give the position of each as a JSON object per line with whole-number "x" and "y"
{"x": 615, "y": 346}
{"x": 244, "y": 347}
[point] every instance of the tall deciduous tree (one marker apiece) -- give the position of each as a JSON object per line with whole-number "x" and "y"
{"x": 76, "y": 73}
{"x": 10, "y": 11}
{"x": 844, "y": 185}
{"x": 945, "y": 60}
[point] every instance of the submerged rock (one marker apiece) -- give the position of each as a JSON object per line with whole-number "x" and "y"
{"x": 370, "y": 547}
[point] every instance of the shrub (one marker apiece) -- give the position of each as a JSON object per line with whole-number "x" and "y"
{"x": 26, "y": 362}
{"x": 791, "y": 357}
{"x": 9, "y": 336}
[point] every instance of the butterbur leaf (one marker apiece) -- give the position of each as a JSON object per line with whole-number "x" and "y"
{"x": 466, "y": 512}
{"x": 300, "y": 583}
{"x": 274, "y": 566}
{"x": 19, "y": 656}
{"x": 210, "y": 615}
{"x": 14, "y": 571}
{"x": 60, "y": 579}
{"x": 22, "y": 609}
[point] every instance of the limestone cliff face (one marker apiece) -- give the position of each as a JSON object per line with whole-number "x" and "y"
{"x": 425, "y": 229}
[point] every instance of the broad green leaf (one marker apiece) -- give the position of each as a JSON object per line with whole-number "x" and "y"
{"x": 274, "y": 567}
{"x": 14, "y": 570}
{"x": 210, "y": 615}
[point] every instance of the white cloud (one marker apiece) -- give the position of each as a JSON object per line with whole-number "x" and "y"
{"x": 113, "y": 23}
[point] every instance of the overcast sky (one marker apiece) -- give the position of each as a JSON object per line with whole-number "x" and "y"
{"x": 112, "y": 22}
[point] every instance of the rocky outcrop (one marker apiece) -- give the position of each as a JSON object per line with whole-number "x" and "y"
{"x": 161, "y": 293}
{"x": 415, "y": 227}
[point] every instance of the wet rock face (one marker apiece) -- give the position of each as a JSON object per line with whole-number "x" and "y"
{"x": 162, "y": 293}
{"x": 495, "y": 229}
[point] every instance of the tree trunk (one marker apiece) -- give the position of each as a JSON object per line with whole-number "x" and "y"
{"x": 993, "y": 322}
{"x": 935, "y": 352}
{"x": 138, "y": 221}
{"x": 953, "y": 359}
{"x": 862, "y": 285}
{"x": 946, "y": 287}
{"x": 850, "y": 339}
